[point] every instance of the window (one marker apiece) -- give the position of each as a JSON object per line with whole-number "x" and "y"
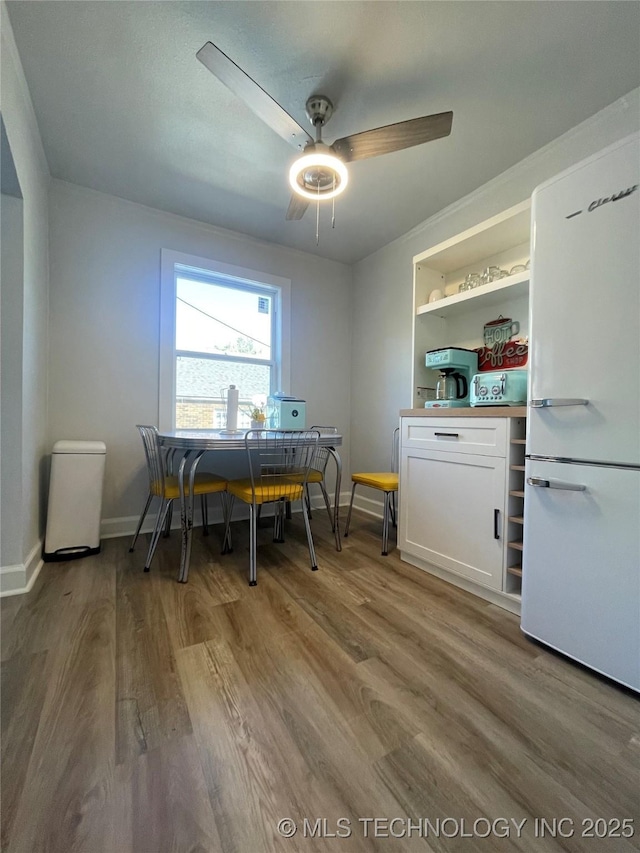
{"x": 220, "y": 326}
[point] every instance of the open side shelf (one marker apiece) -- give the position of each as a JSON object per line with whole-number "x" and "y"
{"x": 515, "y": 516}
{"x": 484, "y": 296}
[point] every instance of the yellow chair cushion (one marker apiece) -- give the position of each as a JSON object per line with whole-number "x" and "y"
{"x": 313, "y": 477}
{"x": 386, "y": 482}
{"x": 270, "y": 489}
{"x": 204, "y": 484}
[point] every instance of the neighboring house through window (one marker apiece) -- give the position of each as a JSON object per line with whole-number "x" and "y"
{"x": 220, "y": 325}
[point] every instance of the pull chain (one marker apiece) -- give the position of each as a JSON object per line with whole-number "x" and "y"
{"x": 318, "y": 217}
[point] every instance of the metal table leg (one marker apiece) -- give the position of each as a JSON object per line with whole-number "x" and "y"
{"x": 186, "y": 511}
{"x": 336, "y": 500}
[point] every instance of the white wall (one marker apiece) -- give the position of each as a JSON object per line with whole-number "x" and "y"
{"x": 104, "y": 322}
{"x": 30, "y": 398}
{"x": 381, "y": 355}
{"x": 11, "y": 319}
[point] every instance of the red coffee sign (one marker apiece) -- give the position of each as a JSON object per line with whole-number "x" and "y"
{"x": 502, "y": 356}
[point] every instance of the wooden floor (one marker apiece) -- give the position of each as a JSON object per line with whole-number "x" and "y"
{"x": 139, "y": 714}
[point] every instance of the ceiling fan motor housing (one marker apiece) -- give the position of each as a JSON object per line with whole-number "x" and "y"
{"x": 319, "y": 109}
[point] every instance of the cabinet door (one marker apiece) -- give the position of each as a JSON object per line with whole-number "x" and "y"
{"x": 448, "y": 504}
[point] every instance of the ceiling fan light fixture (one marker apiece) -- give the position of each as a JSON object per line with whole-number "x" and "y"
{"x": 318, "y": 175}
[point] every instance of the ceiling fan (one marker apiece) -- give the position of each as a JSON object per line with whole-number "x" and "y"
{"x": 321, "y": 172}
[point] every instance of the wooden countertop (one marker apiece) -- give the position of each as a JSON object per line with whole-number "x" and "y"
{"x": 471, "y": 412}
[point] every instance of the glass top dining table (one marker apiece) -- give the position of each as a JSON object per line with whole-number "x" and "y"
{"x": 193, "y": 444}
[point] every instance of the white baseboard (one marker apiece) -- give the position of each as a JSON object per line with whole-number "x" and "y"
{"x": 368, "y": 505}
{"x": 111, "y": 528}
{"x": 18, "y": 579}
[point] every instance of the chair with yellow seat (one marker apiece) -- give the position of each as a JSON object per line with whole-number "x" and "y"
{"x": 317, "y": 476}
{"x": 165, "y": 486}
{"x": 279, "y": 462}
{"x": 387, "y": 482}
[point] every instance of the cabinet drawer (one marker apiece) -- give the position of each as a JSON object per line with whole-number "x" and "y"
{"x": 481, "y": 436}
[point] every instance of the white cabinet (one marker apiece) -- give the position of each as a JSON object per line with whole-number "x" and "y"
{"x": 458, "y": 318}
{"x": 452, "y": 512}
{"x": 456, "y": 475}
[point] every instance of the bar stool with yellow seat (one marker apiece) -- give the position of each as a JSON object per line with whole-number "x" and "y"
{"x": 386, "y": 482}
{"x": 279, "y": 462}
{"x": 165, "y": 486}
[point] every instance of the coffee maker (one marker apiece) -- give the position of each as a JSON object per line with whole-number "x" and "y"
{"x": 456, "y": 366}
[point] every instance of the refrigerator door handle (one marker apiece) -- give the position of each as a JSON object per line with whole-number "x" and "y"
{"x": 541, "y": 483}
{"x": 548, "y": 402}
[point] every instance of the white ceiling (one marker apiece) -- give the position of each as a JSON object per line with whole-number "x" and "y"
{"x": 124, "y": 107}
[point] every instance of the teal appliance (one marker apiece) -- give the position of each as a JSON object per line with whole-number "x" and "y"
{"x": 287, "y": 412}
{"x": 456, "y": 366}
{"x": 499, "y": 388}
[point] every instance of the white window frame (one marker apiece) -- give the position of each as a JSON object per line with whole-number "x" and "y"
{"x": 174, "y": 264}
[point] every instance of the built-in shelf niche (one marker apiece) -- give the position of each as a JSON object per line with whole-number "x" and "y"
{"x": 458, "y": 318}
{"x": 515, "y": 508}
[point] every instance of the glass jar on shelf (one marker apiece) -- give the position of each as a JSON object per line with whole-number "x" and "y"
{"x": 471, "y": 280}
{"x": 491, "y": 273}
{"x": 475, "y": 280}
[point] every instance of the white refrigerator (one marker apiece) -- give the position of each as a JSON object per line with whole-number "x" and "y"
{"x": 581, "y": 560}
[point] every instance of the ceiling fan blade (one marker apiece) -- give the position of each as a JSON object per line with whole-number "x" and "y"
{"x": 297, "y": 207}
{"x": 253, "y": 95}
{"x": 393, "y": 137}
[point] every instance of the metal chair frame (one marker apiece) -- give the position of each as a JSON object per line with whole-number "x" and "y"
{"x": 389, "y": 510}
{"x": 158, "y": 466}
{"x": 319, "y": 464}
{"x": 279, "y": 463}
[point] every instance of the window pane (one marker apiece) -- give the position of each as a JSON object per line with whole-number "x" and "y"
{"x": 217, "y": 319}
{"x": 200, "y": 384}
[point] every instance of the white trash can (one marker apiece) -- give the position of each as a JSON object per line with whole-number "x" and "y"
{"x": 75, "y": 500}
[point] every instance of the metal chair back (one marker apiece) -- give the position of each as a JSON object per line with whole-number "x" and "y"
{"x": 395, "y": 450}
{"x": 321, "y": 457}
{"x": 279, "y": 460}
{"x": 155, "y": 461}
